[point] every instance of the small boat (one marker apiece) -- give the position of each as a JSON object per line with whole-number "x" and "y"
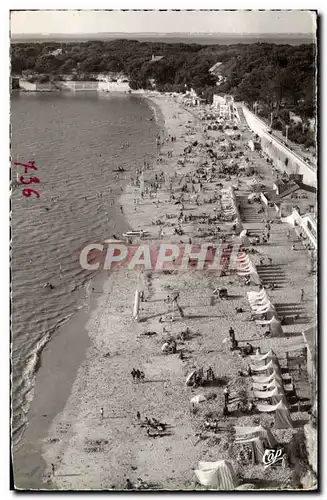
{"x": 119, "y": 169}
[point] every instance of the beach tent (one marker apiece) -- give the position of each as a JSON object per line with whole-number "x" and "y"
{"x": 282, "y": 415}
{"x": 242, "y": 433}
{"x": 276, "y": 395}
{"x": 276, "y": 328}
{"x": 244, "y": 237}
{"x": 198, "y": 399}
{"x": 270, "y": 367}
{"x": 266, "y": 387}
{"x": 261, "y": 357}
{"x": 219, "y": 475}
{"x": 264, "y": 321}
{"x": 258, "y": 446}
{"x": 289, "y": 220}
{"x": 263, "y": 379}
{"x": 190, "y": 378}
{"x": 254, "y": 297}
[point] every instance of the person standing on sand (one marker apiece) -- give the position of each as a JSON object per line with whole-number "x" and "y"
{"x": 101, "y": 412}
{"x": 226, "y": 395}
{"x": 302, "y": 295}
{"x": 53, "y": 469}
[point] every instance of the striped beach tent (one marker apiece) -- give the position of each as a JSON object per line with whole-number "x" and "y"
{"x": 219, "y": 475}
{"x": 246, "y": 432}
{"x": 282, "y": 415}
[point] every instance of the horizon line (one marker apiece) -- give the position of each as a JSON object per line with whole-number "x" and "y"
{"x": 165, "y": 33}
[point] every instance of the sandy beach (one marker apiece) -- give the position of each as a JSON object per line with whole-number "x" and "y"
{"x": 90, "y": 451}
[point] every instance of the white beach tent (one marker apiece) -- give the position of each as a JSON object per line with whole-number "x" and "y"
{"x": 289, "y": 220}
{"x": 219, "y": 475}
{"x": 270, "y": 367}
{"x": 282, "y": 415}
{"x": 242, "y": 433}
{"x": 270, "y": 385}
{"x": 263, "y": 358}
{"x": 276, "y": 328}
{"x": 263, "y": 379}
{"x": 276, "y": 395}
{"x": 198, "y": 399}
{"x": 190, "y": 378}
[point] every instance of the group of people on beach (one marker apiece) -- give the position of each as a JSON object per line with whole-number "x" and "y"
{"x": 137, "y": 375}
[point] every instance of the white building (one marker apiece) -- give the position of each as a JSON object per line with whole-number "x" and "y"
{"x": 224, "y": 106}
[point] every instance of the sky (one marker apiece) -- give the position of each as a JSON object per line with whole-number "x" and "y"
{"x": 88, "y": 21}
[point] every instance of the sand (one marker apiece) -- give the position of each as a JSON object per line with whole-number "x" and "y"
{"x": 90, "y": 451}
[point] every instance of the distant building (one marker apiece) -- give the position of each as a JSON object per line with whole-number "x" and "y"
{"x": 214, "y": 68}
{"x": 191, "y": 98}
{"x": 225, "y": 106}
{"x": 156, "y": 58}
{"x": 56, "y": 52}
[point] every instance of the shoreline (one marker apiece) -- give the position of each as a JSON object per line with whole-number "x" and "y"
{"x": 94, "y": 452}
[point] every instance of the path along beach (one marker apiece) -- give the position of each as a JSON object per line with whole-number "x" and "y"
{"x": 93, "y": 439}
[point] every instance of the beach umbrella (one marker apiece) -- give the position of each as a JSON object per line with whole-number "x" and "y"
{"x": 190, "y": 377}
{"x": 198, "y": 399}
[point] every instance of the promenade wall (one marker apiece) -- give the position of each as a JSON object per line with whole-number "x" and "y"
{"x": 284, "y": 159}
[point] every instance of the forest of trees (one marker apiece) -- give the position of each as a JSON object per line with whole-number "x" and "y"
{"x": 278, "y": 78}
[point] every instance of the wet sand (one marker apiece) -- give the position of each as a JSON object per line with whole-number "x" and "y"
{"x": 60, "y": 362}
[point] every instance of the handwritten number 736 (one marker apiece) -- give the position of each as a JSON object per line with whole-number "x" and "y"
{"x": 27, "y": 192}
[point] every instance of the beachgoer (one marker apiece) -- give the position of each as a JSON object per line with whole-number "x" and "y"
{"x": 284, "y": 461}
{"x": 129, "y": 485}
{"x": 210, "y": 374}
{"x": 251, "y": 407}
{"x": 53, "y": 469}
{"x": 302, "y": 295}
{"x": 226, "y": 395}
{"x": 249, "y": 348}
{"x": 225, "y": 410}
{"x": 138, "y": 416}
{"x": 101, "y": 412}
{"x": 121, "y": 209}
{"x": 133, "y": 373}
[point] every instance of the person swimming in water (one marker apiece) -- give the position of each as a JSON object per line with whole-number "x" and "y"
{"x": 48, "y": 285}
